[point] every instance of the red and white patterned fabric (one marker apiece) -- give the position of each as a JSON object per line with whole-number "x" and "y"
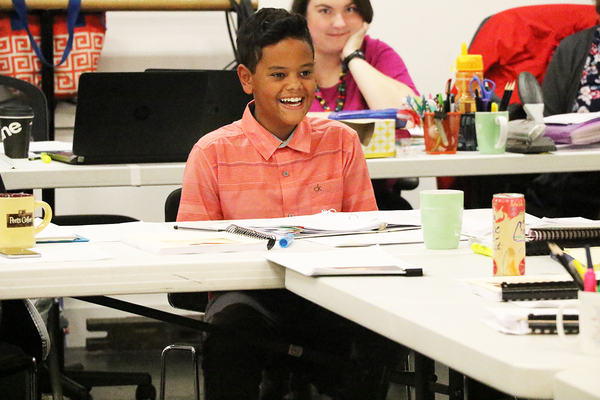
{"x": 18, "y": 59}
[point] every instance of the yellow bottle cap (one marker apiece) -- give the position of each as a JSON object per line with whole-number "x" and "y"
{"x": 468, "y": 62}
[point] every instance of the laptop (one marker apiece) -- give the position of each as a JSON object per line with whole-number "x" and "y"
{"x": 153, "y": 116}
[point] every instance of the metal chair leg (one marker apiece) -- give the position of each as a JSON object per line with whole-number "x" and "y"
{"x": 163, "y": 370}
{"x": 32, "y": 381}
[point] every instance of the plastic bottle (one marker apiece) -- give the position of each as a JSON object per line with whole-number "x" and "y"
{"x": 467, "y": 65}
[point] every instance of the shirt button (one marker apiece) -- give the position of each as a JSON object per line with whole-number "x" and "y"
{"x": 285, "y": 173}
{"x": 291, "y": 215}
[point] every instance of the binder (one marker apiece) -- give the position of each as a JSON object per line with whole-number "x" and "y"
{"x": 546, "y": 324}
{"x": 550, "y": 290}
{"x": 520, "y": 288}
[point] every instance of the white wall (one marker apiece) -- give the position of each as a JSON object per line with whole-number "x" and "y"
{"x": 426, "y": 33}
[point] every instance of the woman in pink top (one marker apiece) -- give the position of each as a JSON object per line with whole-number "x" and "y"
{"x": 353, "y": 71}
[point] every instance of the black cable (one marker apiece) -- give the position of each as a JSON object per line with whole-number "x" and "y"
{"x": 232, "y": 41}
{"x": 244, "y": 10}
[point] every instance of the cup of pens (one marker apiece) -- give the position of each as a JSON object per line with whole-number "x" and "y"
{"x": 440, "y": 131}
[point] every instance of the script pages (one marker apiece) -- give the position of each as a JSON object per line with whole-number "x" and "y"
{"x": 353, "y": 261}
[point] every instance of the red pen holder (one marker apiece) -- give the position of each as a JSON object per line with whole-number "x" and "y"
{"x": 440, "y": 131}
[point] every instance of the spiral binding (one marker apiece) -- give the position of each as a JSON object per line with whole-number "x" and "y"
{"x": 564, "y": 234}
{"x": 238, "y": 230}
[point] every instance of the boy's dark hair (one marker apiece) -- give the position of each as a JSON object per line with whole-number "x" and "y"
{"x": 364, "y": 7}
{"x": 266, "y": 27}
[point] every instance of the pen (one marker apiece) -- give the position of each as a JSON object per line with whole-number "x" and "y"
{"x": 448, "y": 103}
{"x": 478, "y": 102}
{"x": 579, "y": 267}
{"x": 286, "y": 240}
{"x": 560, "y": 257}
{"x": 589, "y": 279}
{"x": 441, "y": 131}
{"x": 479, "y": 248}
{"x": 43, "y": 156}
{"x": 190, "y": 228}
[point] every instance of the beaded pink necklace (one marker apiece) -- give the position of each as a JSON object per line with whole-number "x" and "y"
{"x": 341, "y": 88}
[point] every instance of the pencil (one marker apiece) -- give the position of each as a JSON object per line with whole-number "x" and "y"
{"x": 506, "y": 96}
{"x": 560, "y": 255}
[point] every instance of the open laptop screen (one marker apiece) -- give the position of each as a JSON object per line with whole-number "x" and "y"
{"x": 155, "y": 116}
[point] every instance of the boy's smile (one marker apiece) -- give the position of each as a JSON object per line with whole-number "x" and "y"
{"x": 283, "y": 85}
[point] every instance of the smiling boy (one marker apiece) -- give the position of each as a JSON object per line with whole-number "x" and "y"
{"x": 274, "y": 162}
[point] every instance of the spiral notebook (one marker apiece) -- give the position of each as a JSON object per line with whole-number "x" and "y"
{"x": 565, "y": 232}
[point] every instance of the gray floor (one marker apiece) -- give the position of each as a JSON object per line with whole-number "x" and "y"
{"x": 179, "y": 372}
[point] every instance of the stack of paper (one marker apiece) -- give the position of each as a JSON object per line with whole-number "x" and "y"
{"x": 363, "y": 261}
{"x": 573, "y": 128}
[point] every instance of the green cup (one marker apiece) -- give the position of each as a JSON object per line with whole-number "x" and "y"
{"x": 441, "y": 218}
{"x": 491, "y": 129}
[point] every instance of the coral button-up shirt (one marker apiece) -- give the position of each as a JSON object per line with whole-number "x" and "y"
{"x": 239, "y": 172}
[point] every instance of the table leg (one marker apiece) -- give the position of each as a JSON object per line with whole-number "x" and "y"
{"x": 424, "y": 374}
{"x": 456, "y": 385}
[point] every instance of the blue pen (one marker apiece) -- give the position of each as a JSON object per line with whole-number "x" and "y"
{"x": 286, "y": 240}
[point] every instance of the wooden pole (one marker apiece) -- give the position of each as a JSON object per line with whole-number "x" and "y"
{"x": 130, "y": 5}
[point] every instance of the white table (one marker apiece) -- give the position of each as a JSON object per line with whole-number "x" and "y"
{"x": 38, "y": 175}
{"x": 134, "y": 271}
{"x": 435, "y": 318}
{"x": 428, "y": 314}
{"x": 578, "y": 383}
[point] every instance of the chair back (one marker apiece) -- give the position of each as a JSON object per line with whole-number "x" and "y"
{"x": 172, "y": 205}
{"x": 23, "y": 326}
{"x": 193, "y": 301}
{"x": 524, "y": 39}
{"x": 14, "y": 91}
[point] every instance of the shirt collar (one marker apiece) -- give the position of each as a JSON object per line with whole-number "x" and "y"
{"x": 266, "y": 143}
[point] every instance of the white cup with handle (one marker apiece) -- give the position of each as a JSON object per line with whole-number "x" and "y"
{"x": 588, "y": 305}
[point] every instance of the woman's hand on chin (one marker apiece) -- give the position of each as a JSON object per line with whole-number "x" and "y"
{"x": 355, "y": 41}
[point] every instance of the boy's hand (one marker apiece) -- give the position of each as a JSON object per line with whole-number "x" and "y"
{"x": 355, "y": 41}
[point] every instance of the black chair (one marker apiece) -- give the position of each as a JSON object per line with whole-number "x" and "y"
{"x": 24, "y": 345}
{"x": 197, "y": 302}
{"x": 17, "y": 92}
{"x": 192, "y": 301}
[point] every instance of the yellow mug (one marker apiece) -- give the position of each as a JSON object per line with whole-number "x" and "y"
{"x": 16, "y": 220}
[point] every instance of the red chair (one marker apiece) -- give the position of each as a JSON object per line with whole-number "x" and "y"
{"x": 524, "y": 39}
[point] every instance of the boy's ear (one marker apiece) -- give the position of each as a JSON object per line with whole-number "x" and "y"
{"x": 245, "y": 78}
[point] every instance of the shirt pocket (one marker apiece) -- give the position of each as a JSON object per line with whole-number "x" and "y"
{"x": 326, "y": 195}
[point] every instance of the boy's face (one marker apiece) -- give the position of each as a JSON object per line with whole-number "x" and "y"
{"x": 283, "y": 85}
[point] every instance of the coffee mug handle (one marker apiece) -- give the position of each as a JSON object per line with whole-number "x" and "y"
{"x": 560, "y": 329}
{"x": 47, "y": 215}
{"x": 503, "y": 123}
